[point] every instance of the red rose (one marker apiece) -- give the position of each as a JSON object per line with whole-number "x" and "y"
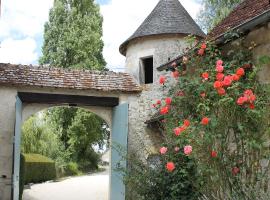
{"x": 236, "y": 77}
{"x": 170, "y": 166}
{"x": 252, "y": 98}
{"x": 241, "y": 100}
{"x": 201, "y": 52}
{"x": 177, "y": 131}
{"x": 219, "y": 76}
{"x": 186, "y": 123}
{"x": 205, "y": 121}
{"x": 252, "y": 106}
{"x": 218, "y": 84}
{"x": 175, "y": 74}
{"x": 214, "y": 154}
{"x": 205, "y": 75}
{"x": 164, "y": 110}
{"x": 219, "y": 68}
{"x": 235, "y": 170}
{"x": 227, "y": 81}
{"x": 248, "y": 92}
{"x": 162, "y": 79}
{"x": 203, "y": 46}
{"x": 221, "y": 91}
{"x": 240, "y": 72}
{"x": 158, "y": 102}
{"x": 168, "y": 101}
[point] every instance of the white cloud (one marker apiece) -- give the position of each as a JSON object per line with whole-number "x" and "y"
{"x": 18, "y": 51}
{"x": 24, "y": 20}
{"x": 25, "y": 17}
{"x": 20, "y": 23}
{"x": 122, "y": 18}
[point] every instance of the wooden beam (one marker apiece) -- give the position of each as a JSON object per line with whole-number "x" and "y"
{"x": 72, "y": 100}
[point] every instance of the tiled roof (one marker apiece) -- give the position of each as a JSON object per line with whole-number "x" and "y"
{"x": 243, "y": 13}
{"x": 168, "y": 17}
{"x": 21, "y": 75}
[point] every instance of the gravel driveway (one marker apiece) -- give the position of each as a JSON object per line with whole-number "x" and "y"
{"x": 90, "y": 187}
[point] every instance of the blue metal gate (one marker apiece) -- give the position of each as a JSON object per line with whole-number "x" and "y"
{"x": 119, "y": 137}
{"x": 16, "y": 151}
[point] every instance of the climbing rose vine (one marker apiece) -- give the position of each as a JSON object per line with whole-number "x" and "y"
{"x": 216, "y": 114}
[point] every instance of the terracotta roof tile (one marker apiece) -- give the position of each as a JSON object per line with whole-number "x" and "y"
{"x": 22, "y": 75}
{"x": 244, "y": 12}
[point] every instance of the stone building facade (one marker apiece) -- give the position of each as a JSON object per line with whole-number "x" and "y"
{"x": 160, "y": 38}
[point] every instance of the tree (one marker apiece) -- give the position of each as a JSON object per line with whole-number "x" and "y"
{"x": 214, "y": 11}
{"x": 72, "y": 37}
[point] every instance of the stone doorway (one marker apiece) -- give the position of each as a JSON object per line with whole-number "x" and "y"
{"x": 25, "y": 90}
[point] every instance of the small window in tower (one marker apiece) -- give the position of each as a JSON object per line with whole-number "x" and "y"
{"x": 147, "y": 64}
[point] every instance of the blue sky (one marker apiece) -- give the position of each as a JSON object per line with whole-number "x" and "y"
{"x": 22, "y": 22}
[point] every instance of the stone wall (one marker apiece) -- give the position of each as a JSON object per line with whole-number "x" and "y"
{"x": 259, "y": 40}
{"x": 143, "y": 140}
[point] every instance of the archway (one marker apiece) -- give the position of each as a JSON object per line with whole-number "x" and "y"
{"x": 74, "y": 138}
{"x": 29, "y": 103}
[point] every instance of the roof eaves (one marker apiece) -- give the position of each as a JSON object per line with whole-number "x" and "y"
{"x": 245, "y": 27}
{"x": 221, "y": 39}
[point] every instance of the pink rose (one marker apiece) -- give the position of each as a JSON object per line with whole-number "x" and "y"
{"x": 188, "y": 149}
{"x": 163, "y": 150}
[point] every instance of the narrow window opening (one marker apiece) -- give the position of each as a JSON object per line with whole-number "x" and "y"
{"x": 148, "y": 70}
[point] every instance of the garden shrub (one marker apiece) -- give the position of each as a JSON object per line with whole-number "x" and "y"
{"x": 22, "y": 174}
{"x": 38, "y": 168}
{"x": 72, "y": 169}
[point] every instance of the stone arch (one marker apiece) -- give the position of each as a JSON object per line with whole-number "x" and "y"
{"x": 104, "y": 113}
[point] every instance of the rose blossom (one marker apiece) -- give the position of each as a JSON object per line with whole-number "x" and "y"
{"x": 219, "y": 62}
{"x": 163, "y": 150}
{"x": 214, "y": 154}
{"x": 176, "y": 149}
{"x": 219, "y": 68}
{"x": 219, "y": 76}
{"x": 203, "y": 94}
{"x": 218, "y": 84}
{"x": 175, "y": 74}
{"x": 164, "y": 110}
{"x": 221, "y": 91}
{"x": 235, "y": 170}
{"x": 168, "y": 101}
{"x": 186, "y": 123}
{"x": 205, "y": 75}
{"x": 205, "y": 121}
{"x": 240, "y": 72}
{"x": 188, "y": 150}
{"x": 203, "y": 46}
{"x": 170, "y": 166}
{"x": 162, "y": 79}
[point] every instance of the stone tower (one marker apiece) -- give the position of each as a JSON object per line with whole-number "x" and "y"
{"x": 158, "y": 39}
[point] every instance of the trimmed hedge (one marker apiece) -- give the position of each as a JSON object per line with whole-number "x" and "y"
{"x": 38, "y": 168}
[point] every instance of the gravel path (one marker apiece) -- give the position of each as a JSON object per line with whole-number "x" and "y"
{"x": 91, "y": 187}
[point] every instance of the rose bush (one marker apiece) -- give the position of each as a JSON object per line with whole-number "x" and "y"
{"x": 216, "y": 131}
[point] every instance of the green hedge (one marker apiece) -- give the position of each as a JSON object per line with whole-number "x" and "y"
{"x": 38, "y": 168}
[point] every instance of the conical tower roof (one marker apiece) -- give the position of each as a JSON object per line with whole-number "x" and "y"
{"x": 168, "y": 17}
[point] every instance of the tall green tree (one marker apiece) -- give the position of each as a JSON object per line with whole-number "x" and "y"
{"x": 72, "y": 36}
{"x": 72, "y": 39}
{"x": 214, "y": 11}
